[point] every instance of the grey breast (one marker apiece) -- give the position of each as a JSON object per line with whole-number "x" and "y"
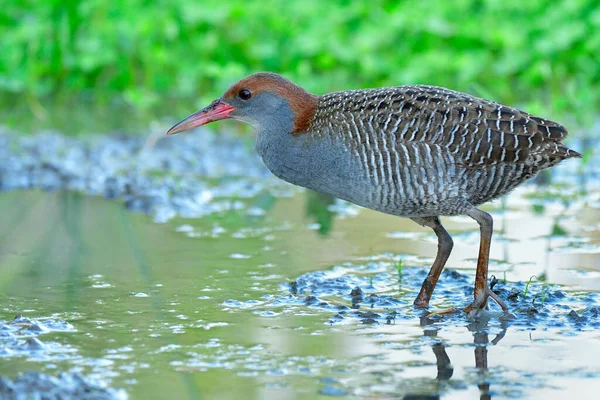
{"x": 321, "y": 165}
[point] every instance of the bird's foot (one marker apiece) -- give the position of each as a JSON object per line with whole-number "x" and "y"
{"x": 422, "y": 300}
{"x": 421, "y": 303}
{"x": 445, "y": 311}
{"x": 480, "y": 302}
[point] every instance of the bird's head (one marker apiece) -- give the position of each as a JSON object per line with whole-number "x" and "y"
{"x": 263, "y": 100}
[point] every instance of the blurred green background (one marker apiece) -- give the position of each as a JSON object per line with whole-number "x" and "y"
{"x": 99, "y": 65}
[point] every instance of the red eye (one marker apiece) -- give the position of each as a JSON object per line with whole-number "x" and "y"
{"x": 245, "y": 94}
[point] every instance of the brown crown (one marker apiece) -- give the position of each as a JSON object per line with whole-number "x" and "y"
{"x": 302, "y": 103}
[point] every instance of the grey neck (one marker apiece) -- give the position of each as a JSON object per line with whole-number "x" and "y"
{"x": 274, "y": 133}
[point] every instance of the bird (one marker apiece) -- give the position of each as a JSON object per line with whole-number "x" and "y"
{"x": 414, "y": 151}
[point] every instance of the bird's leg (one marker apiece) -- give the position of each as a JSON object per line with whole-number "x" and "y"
{"x": 445, "y": 245}
{"x": 482, "y": 290}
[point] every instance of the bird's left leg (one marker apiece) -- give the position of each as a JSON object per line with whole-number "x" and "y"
{"x": 445, "y": 245}
{"x": 482, "y": 290}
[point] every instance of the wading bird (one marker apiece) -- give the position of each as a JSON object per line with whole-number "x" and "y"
{"x": 412, "y": 151}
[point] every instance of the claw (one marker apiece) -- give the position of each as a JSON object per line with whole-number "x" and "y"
{"x": 480, "y": 303}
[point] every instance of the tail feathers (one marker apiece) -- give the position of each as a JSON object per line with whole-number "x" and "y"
{"x": 561, "y": 151}
{"x": 551, "y": 154}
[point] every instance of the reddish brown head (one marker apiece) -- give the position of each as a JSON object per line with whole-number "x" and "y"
{"x": 259, "y": 99}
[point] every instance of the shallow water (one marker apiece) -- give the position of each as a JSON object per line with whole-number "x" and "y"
{"x": 254, "y": 299}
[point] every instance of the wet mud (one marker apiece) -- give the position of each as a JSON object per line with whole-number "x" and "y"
{"x": 362, "y": 294}
{"x": 34, "y": 385}
{"x": 23, "y": 338}
{"x": 161, "y": 176}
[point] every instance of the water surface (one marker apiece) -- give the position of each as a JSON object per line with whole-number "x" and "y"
{"x": 203, "y": 307}
{"x": 266, "y": 291}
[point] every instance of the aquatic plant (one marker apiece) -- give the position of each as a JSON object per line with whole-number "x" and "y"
{"x": 399, "y": 266}
{"x": 527, "y": 286}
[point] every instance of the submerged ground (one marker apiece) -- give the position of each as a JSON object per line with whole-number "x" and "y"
{"x": 182, "y": 269}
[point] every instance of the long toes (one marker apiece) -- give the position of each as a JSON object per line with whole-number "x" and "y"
{"x": 480, "y": 303}
{"x": 445, "y": 311}
{"x": 474, "y": 309}
{"x": 498, "y": 301}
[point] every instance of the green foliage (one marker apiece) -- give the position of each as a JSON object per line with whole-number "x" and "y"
{"x": 558, "y": 230}
{"x": 538, "y": 54}
{"x": 545, "y": 293}
{"x": 527, "y": 286}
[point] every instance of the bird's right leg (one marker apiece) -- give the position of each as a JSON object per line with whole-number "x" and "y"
{"x": 482, "y": 291}
{"x": 445, "y": 245}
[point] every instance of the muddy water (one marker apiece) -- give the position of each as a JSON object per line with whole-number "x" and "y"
{"x": 241, "y": 304}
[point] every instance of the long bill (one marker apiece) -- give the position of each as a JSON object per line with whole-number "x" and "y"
{"x": 215, "y": 111}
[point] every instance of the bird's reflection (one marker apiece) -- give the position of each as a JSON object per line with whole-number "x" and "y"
{"x": 317, "y": 208}
{"x": 479, "y": 329}
{"x": 481, "y": 341}
{"x": 444, "y": 365}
